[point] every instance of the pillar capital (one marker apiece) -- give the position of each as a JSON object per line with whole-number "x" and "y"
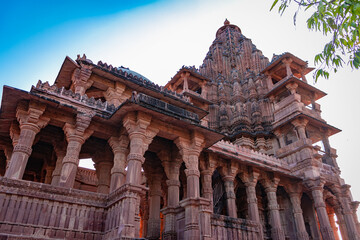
{"x": 249, "y": 178}
{"x": 31, "y": 116}
{"x": 116, "y": 95}
{"x": 76, "y": 134}
{"x": 192, "y": 172}
{"x": 173, "y": 183}
{"x": 190, "y": 149}
{"x": 270, "y": 183}
{"x": 80, "y": 79}
{"x": 79, "y": 131}
{"x": 292, "y": 87}
{"x": 119, "y": 144}
{"x": 315, "y": 184}
{"x": 14, "y": 132}
{"x": 278, "y": 132}
{"x": 300, "y": 122}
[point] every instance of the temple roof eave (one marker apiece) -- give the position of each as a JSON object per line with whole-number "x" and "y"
{"x": 13, "y": 96}
{"x": 314, "y": 121}
{"x": 182, "y": 70}
{"x": 64, "y": 76}
{"x": 278, "y": 86}
{"x": 278, "y": 60}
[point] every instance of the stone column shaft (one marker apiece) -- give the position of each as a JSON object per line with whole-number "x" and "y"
{"x": 71, "y": 161}
{"x": 250, "y": 181}
{"x": 118, "y": 173}
{"x": 349, "y": 219}
{"x": 276, "y": 229}
{"x": 230, "y": 196}
{"x": 325, "y": 227}
{"x": 135, "y": 158}
{"x": 301, "y": 233}
{"x": 171, "y": 167}
{"x": 22, "y": 151}
{"x": 60, "y": 154}
{"x": 153, "y": 230}
{"x": 31, "y": 121}
{"x": 48, "y": 176}
{"x": 103, "y": 170}
{"x": 206, "y": 176}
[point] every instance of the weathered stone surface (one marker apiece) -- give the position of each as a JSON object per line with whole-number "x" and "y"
{"x": 225, "y": 151}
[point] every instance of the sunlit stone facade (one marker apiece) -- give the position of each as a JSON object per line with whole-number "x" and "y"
{"x": 226, "y": 151}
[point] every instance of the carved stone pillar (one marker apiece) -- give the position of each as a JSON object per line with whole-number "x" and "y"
{"x": 347, "y": 212}
{"x": 76, "y": 134}
{"x": 287, "y": 63}
{"x": 119, "y": 147}
{"x": 206, "y": 182}
{"x": 48, "y": 176}
{"x": 295, "y": 193}
{"x": 140, "y": 135}
{"x": 270, "y": 188}
{"x": 171, "y": 167}
{"x": 250, "y": 181}
{"x": 190, "y": 150}
{"x": 60, "y": 151}
{"x": 229, "y": 174}
{"x": 280, "y": 135}
{"x": 316, "y": 187}
{"x": 153, "y": 230}
{"x": 300, "y": 125}
{"x": 103, "y": 172}
{"x": 31, "y": 121}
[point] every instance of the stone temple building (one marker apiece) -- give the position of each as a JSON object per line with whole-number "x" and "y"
{"x": 236, "y": 149}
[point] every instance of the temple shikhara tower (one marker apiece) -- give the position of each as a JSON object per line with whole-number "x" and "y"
{"x": 234, "y": 149}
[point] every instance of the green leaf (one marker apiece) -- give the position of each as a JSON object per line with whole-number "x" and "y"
{"x": 273, "y": 5}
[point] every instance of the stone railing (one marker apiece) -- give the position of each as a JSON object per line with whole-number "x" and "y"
{"x": 62, "y": 93}
{"x": 224, "y": 227}
{"x": 292, "y": 152}
{"x": 164, "y": 107}
{"x": 87, "y": 176}
{"x": 248, "y": 155}
{"x": 313, "y": 112}
{"x": 287, "y": 106}
{"x": 41, "y": 211}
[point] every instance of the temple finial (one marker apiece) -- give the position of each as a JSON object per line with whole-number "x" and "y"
{"x": 226, "y": 22}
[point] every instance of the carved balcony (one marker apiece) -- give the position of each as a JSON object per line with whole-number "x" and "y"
{"x": 291, "y": 106}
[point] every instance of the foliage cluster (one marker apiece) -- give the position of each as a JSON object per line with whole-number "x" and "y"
{"x": 338, "y": 18}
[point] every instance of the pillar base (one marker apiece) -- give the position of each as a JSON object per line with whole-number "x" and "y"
{"x": 127, "y": 195}
{"x": 197, "y": 218}
{"x": 170, "y": 231}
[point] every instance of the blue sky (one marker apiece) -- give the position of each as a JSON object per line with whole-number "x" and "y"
{"x": 155, "y": 38}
